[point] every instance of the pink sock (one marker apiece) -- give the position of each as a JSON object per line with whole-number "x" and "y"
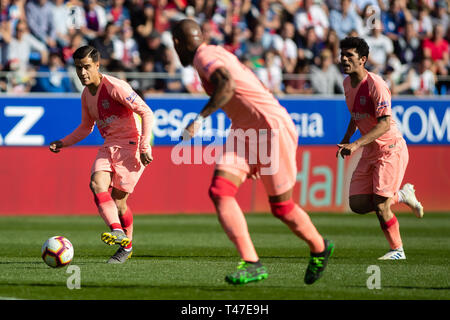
{"x": 108, "y": 210}
{"x": 300, "y": 223}
{"x": 391, "y": 230}
{"x": 126, "y": 220}
{"x": 233, "y": 222}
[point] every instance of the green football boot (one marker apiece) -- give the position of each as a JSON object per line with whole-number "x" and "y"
{"x": 247, "y": 272}
{"x": 318, "y": 262}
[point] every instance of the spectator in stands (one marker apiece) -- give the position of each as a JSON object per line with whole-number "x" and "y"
{"x": 286, "y": 47}
{"x": 95, "y": 18}
{"x": 172, "y": 82}
{"x": 153, "y": 47}
{"x": 271, "y": 74}
{"x": 117, "y": 12}
{"x": 423, "y": 83}
{"x": 408, "y": 47}
{"x": 326, "y": 79}
{"x": 309, "y": 49}
{"x": 254, "y": 47}
{"x": 76, "y": 41}
{"x": 61, "y": 22}
{"x": 441, "y": 14}
{"x": 22, "y": 44}
{"x": 423, "y": 23}
{"x": 395, "y": 19}
{"x": 233, "y": 41}
{"x": 211, "y": 33}
{"x": 126, "y": 48}
{"x": 40, "y": 20}
{"x": 57, "y": 79}
{"x": 380, "y": 48}
{"x": 332, "y": 43}
{"x": 311, "y": 15}
{"x": 12, "y": 11}
{"x": 268, "y": 15}
{"x": 345, "y": 20}
{"x": 301, "y": 83}
{"x": 104, "y": 44}
{"x": 145, "y": 25}
{"x": 436, "y": 47}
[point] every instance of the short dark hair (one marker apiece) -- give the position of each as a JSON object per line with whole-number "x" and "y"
{"x": 86, "y": 51}
{"x": 360, "y": 45}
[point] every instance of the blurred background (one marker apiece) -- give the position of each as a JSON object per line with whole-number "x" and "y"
{"x": 292, "y": 46}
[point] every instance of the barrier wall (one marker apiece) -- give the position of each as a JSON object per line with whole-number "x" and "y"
{"x": 36, "y": 181}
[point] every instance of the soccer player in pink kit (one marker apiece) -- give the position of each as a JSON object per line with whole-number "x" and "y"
{"x": 251, "y": 108}
{"x": 377, "y": 178}
{"x": 125, "y": 122}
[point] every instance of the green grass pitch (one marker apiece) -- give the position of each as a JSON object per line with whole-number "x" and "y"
{"x": 186, "y": 257}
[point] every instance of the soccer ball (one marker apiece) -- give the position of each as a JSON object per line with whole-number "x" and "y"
{"x": 57, "y": 252}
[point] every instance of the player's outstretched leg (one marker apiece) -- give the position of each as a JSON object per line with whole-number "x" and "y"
{"x": 407, "y": 195}
{"x": 222, "y": 192}
{"x": 318, "y": 262}
{"x": 301, "y": 225}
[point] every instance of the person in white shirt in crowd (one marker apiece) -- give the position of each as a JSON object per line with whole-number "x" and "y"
{"x": 312, "y": 15}
{"x": 380, "y": 48}
{"x": 271, "y": 75}
{"x": 286, "y": 48}
{"x": 326, "y": 79}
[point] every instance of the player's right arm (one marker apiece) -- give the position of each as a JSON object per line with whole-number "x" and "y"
{"x": 82, "y": 131}
{"x": 224, "y": 87}
{"x": 351, "y": 129}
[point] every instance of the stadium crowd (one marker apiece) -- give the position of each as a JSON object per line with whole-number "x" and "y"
{"x": 292, "y": 46}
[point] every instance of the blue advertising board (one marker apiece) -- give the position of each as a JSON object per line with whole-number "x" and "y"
{"x": 38, "y": 120}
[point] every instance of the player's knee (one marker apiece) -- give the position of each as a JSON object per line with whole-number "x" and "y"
{"x": 121, "y": 206}
{"x": 95, "y": 187}
{"x": 280, "y": 209}
{"x": 221, "y": 187}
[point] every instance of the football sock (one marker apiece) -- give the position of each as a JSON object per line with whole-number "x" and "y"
{"x": 391, "y": 230}
{"x": 126, "y": 220}
{"x": 301, "y": 225}
{"x": 233, "y": 222}
{"x": 108, "y": 210}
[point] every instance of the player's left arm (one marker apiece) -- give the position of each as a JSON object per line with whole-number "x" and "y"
{"x": 224, "y": 88}
{"x": 381, "y": 98}
{"x": 383, "y": 126}
{"x": 130, "y": 99}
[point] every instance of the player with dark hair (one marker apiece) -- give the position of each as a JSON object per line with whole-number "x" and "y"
{"x": 377, "y": 178}
{"x": 252, "y": 108}
{"x": 115, "y": 108}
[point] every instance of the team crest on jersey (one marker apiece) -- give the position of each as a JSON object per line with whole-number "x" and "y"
{"x": 362, "y": 100}
{"x": 105, "y": 104}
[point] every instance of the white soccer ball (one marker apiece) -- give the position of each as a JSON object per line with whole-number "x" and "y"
{"x": 57, "y": 252}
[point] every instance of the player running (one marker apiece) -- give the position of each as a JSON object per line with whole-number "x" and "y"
{"x": 377, "y": 178}
{"x": 250, "y": 106}
{"x": 116, "y": 108}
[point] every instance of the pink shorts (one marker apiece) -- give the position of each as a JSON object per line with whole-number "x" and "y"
{"x": 269, "y": 152}
{"x": 381, "y": 175}
{"x": 125, "y": 164}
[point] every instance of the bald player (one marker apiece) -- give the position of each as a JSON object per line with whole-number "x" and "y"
{"x": 376, "y": 181}
{"x": 252, "y": 108}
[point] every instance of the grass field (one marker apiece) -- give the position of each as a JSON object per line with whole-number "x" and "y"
{"x": 178, "y": 257}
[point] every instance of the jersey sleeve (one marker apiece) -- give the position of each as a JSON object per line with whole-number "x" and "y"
{"x": 126, "y": 96}
{"x": 207, "y": 62}
{"x": 381, "y": 97}
{"x": 83, "y": 130}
